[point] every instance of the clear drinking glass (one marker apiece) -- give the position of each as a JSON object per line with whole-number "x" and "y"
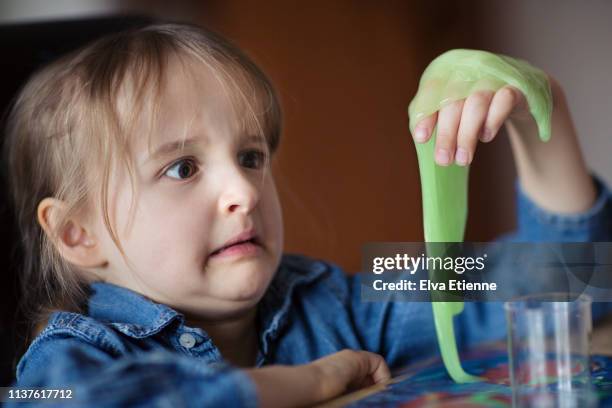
{"x": 549, "y": 338}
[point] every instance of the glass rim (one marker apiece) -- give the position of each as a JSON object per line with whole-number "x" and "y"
{"x": 548, "y": 297}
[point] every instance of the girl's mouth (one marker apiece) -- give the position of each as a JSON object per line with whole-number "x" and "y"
{"x": 242, "y": 248}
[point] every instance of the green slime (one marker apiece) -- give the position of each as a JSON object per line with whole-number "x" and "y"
{"x": 452, "y": 76}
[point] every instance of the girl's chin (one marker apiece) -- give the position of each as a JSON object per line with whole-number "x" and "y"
{"x": 248, "y": 293}
{"x": 219, "y": 306}
{"x": 241, "y": 283}
{"x": 245, "y": 280}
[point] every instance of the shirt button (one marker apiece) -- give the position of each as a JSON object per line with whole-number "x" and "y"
{"x": 187, "y": 340}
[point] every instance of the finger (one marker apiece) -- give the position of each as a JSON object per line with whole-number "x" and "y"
{"x": 353, "y": 366}
{"x": 448, "y": 124}
{"x": 378, "y": 369}
{"x": 502, "y": 104}
{"x": 423, "y": 129}
{"x": 365, "y": 368}
{"x": 474, "y": 114}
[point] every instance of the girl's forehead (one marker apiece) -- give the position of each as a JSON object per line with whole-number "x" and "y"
{"x": 192, "y": 99}
{"x": 188, "y": 99}
{"x": 190, "y": 88}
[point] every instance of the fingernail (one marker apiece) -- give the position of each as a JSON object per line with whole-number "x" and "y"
{"x": 487, "y": 135}
{"x": 462, "y": 157}
{"x": 442, "y": 157}
{"x": 420, "y": 134}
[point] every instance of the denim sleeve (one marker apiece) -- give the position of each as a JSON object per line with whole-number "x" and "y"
{"x": 535, "y": 224}
{"x": 156, "y": 378}
{"x": 483, "y": 321}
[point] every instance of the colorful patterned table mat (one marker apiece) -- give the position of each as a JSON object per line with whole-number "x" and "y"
{"x": 427, "y": 385}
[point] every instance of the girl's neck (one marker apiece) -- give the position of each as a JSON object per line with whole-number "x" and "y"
{"x": 236, "y": 338}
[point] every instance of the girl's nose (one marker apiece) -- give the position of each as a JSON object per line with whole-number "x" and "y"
{"x": 239, "y": 193}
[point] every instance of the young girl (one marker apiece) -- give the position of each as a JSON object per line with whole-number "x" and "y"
{"x": 140, "y": 174}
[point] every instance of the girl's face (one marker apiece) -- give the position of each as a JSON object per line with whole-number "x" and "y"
{"x": 191, "y": 202}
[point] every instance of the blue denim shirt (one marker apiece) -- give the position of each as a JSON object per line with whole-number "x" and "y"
{"x": 128, "y": 350}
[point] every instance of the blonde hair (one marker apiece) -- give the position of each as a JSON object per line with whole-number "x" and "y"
{"x": 65, "y": 132}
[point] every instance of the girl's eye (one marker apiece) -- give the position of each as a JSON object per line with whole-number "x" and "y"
{"x": 182, "y": 169}
{"x": 252, "y": 159}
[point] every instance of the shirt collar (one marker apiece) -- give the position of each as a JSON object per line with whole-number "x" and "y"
{"x": 129, "y": 312}
{"x": 137, "y": 316}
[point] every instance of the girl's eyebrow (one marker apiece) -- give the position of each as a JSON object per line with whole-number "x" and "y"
{"x": 251, "y": 138}
{"x": 167, "y": 149}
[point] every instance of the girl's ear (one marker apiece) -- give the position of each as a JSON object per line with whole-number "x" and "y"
{"x": 74, "y": 242}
